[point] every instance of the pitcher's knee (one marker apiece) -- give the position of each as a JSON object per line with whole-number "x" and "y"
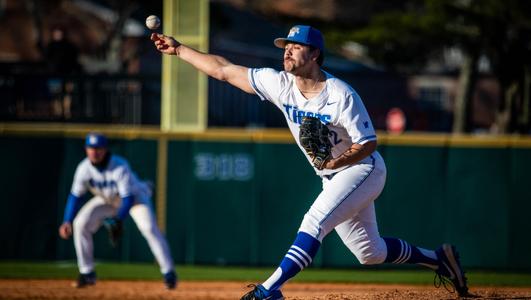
{"x": 312, "y": 226}
{"x": 373, "y": 258}
{"x": 372, "y": 253}
{"x": 368, "y": 251}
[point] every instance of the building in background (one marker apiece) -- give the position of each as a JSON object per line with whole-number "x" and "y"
{"x": 118, "y": 79}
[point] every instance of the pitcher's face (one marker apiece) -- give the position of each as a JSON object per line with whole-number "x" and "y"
{"x": 297, "y": 58}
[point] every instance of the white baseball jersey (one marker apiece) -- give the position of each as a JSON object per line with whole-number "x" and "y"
{"x": 116, "y": 181}
{"x": 338, "y": 106}
{"x": 109, "y": 185}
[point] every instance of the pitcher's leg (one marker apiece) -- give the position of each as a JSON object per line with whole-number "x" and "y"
{"x": 146, "y": 223}
{"x": 360, "y": 234}
{"x": 343, "y": 196}
{"x": 402, "y": 252}
{"x": 86, "y": 223}
{"x": 298, "y": 257}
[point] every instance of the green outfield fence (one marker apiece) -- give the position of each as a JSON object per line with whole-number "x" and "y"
{"x": 236, "y": 197}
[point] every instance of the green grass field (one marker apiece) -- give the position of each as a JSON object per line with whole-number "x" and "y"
{"x": 122, "y": 271}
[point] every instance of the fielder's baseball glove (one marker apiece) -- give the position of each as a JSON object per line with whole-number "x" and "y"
{"x": 114, "y": 229}
{"x": 313, "y": 136}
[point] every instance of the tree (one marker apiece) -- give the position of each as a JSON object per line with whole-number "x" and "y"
{"x": 404, "y": 35}
{"x": 498, "y": 30}
{"x": 105, "y": 54}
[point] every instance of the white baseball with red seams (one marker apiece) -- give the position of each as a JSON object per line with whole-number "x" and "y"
{"x": 153, "y": 22}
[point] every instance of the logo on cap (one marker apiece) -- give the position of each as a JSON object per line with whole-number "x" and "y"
{"x": 293, "y": 31}
{"x": 93, "y": 140}
{"x": 302, "y": 34}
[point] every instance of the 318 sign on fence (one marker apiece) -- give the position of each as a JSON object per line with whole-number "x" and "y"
{"x": 224, "y": 166}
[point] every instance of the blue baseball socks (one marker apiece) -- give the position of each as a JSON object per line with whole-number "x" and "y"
{"x": 400, "y": 252}
{"x": 304, "y": 248}
{"x": 299, "y": 256}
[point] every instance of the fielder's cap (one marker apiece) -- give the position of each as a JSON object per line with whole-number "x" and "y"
{"x": 302, "y": 34}
{"x": 95, "y": 140}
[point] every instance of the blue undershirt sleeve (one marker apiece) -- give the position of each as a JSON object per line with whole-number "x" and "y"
{"x": 72, "y": 206}
{"x": 123, "y": 210}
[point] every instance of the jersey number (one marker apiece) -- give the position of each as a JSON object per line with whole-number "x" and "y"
{"x": 335, "y": 139}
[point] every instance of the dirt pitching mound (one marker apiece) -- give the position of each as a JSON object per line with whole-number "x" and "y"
{"x": 191, "y": 290}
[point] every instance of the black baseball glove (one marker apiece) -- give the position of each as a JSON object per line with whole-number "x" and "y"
{"x": 313, "y": 136}
{"x": 115, "y": 230}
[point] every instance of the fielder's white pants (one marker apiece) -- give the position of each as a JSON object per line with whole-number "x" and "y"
{"x": 90, "y": 218}
{"x": 346, "y": 204}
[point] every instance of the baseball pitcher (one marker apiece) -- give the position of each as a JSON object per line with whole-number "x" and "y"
{"x": 117, "y": 193}
{"x": 333, "y": 130}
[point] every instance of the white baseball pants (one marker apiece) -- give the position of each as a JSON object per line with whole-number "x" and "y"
{"x": 90, "y": 218}
{"x": 346, "y": 204}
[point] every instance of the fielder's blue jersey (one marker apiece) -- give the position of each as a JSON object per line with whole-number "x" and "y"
{"x": 115, "y": 181}
{"x": 338, "y": 106}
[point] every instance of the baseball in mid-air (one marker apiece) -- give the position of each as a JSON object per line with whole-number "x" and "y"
{"x": 152, "y": 22}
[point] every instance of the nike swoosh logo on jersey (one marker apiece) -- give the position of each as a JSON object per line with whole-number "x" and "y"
{"x": 330, "y": 103}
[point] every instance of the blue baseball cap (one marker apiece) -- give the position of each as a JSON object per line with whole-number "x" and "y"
{"x": 302, "y": 34}
{"x": 95, "y": 140}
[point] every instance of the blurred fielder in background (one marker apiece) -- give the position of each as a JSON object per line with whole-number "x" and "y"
{"x": 331, "y": 126}
{"x": 116, "y": 192}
